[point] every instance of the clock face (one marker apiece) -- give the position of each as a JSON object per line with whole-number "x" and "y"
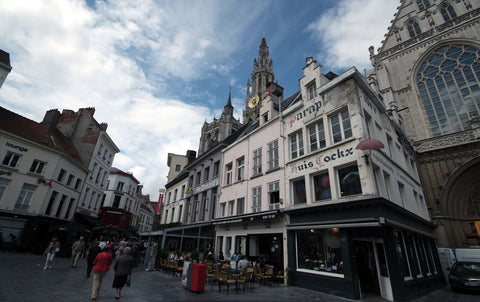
{"x": 253, "y": 101}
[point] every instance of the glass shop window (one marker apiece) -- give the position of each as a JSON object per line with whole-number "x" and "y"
{"x": 320, "y": 250}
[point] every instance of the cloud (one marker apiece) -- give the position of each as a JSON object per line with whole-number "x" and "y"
{"x": 347, "y": 30}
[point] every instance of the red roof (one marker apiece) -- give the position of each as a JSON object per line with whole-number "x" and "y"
{"x": 30, "y": 130}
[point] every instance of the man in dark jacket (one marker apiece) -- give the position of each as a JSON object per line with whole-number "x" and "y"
{"x": 92, "y": 252}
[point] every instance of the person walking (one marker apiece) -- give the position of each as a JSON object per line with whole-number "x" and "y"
{"x": 92, "y": 253}
{"x": 52, "y": 249}
{"x": 78, "y": 248}
{"x": 123, "y": 271}
{"x": 101, "y": 266}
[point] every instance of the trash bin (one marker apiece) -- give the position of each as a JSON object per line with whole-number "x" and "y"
{"x": 196, "y": 277}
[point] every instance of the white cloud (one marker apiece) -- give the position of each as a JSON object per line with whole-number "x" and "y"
{"x": 347, "y": 30}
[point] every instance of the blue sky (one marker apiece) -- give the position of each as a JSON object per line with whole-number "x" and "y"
{"x": 156, "y": 70}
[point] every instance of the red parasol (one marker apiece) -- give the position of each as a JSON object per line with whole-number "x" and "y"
{"x": 370, "y": 144}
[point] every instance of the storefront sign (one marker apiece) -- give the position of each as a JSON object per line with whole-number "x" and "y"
{"x": 19, "y": 148}
{"x": 307, "y": 111}
{"x": 321, "y": 160}
{"x": 208, "y": 185}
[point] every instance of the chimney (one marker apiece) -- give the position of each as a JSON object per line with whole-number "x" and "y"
{"x": 103, "y": 126}
{"x": 191, "y": 155}
{"x": 275, "y": 91}
{"x": 50, "y": 121}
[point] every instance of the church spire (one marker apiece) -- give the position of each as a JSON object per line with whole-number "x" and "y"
{"x": 262, "y": 75}
{"x": 228, "y": 109}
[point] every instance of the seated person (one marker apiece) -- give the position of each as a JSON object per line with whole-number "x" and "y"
{"x": 243, "y": 263}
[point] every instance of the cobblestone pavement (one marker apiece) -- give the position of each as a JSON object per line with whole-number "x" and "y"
{"x": 22, "y": 279}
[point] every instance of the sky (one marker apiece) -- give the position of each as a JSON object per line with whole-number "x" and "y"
{"x": 156, "y": 70}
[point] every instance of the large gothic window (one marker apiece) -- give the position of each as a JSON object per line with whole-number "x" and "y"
{"x": 448, "y": 12}
{"x": 448, "y": 82}
{"x": 413, "y": 28}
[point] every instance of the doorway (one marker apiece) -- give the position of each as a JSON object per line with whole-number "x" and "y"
{"x": 372, "y": 269}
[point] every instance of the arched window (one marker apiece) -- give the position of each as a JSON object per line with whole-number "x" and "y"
{"x": 448, "y": 82}
{"x": 413, "y": 28}
{"x": 448, "y": 12}
{"x": 423, "y": 4}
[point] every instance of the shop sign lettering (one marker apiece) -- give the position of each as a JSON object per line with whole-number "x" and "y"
{"x": 321, "y": 160}
{"x": 307, "y": 111}
{"x": 19, "y": 148}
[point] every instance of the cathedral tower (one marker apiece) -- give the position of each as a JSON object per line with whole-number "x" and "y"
{"x": 218, "y": 129}
{"x": 261, "y": 75}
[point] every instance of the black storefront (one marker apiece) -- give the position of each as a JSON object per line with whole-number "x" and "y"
{"x": 367, "y": 248}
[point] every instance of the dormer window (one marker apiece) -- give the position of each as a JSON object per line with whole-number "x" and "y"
{"x": 423, "y": 4}
{"x": 448, "y": 12}
{"x": 265, "y": 117}
{"x": 413, "y": 28}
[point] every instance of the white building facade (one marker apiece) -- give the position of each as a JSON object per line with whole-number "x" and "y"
{"x": 358, "y": 224}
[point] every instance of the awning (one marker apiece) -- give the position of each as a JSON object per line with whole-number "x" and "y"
{"x": 88, "y": 220}
{"x": 369, "y": 222}
{"x": 268, "y": 215}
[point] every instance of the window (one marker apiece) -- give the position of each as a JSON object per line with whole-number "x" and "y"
{"x": 274, "y": 195}
{"x": 11, "y": 159}
{"x": 240, "y": 168}
{"x": 341, "y": 128}
{"x": 116, "y": 201}
{"x": 198, "y": 177}
{"x": 69, "y": 209}
{"x": 61, "y": 175}
{"x": 240, "y": 206}
{"x": 317, "y": 136}
{"x": 177, "y": 168}
{"x": 257, "y": 199}
{"x": 321, "y": 186}
{"x": 206, "y": 174}
{"x": 60, "y": 206}
{"x": 50, "y": 203}
{"x": 77, "y": 183}
{"x": 3, "y": 186}
{"x": 180, "y": 214}
{"x": 257, "y": 162}
{"x": 175, "y": 195}
{"x": 401, "y": 190}
{"x": 222, "y": 209}
{"x": 71, "y": 177}
{"x": 299, "y": 193}
{"x": 173, "y": 215}
{"x": 216, "y": 168}
{"x": 231, "y": 207}
{"x": 448, "y": 12}
{"x": 23, "y": 200}
{"x": 265, "y": 117}
{"x": 320, "y": 250}
{"x": 37, "y": 166}
{"x": 312, "y": 91}
{"x": 349, "y": 179}
{"x": 296, "y": 145}
{"x": 423, "y": 4}
{"x": 402, "y": 255}
{"x": 182, "y": 193}
{"x": 273, "y": 155}
{"x": 449, "y": 84}
{"x": 413, "y": 28}
{"x": 228, "y": 178}
{"x": 120, "y": 186}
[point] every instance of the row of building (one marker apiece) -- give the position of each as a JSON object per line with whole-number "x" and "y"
{"x": 56, "y": 178}
{"x": 354, "y": 180}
